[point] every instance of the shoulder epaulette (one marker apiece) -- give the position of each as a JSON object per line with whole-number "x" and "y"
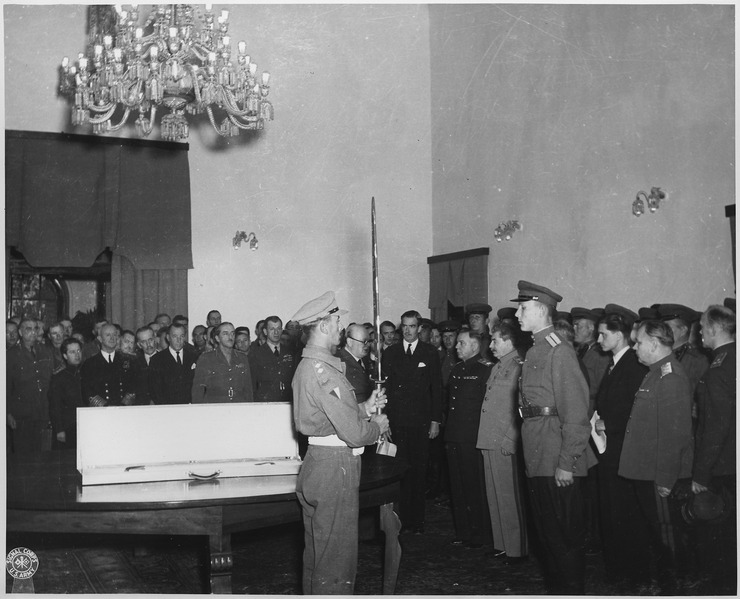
{"x": 59, "y": 369}
{"x": 485, "y": 362}
{"x": 553, "y": 340}
{"x": 717, "y": 362}
{"x": 665, "y": 369}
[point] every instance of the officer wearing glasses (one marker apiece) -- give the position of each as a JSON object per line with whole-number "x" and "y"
{"x": 352, "y": 354}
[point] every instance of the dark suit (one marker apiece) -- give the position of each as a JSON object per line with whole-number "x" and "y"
{"x": 143, "y": 374}
{"x": 625, "y": 545}
{"x": 272, "y": 375}
{"x": 414, "y": 390}
{"x": 356, "y": 375}
{"x": 172, "y": 383}
{"x": 110, "y": 381}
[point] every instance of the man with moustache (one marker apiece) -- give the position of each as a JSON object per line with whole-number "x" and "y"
{"x": 338, "y": 428}
{"x": 353, "y": 354}
{"x": 222, "y": 375}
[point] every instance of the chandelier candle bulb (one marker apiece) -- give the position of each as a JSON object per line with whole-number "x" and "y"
{"x": 177, "y": 59}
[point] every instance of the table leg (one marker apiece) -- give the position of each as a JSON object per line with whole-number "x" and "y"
{"x": 221, "y": 563}
{"x": 390, "y": 524}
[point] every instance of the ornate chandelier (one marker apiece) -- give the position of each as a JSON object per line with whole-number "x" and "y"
{"x": 180, "y": 60}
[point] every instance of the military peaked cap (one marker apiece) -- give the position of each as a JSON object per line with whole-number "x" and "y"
{"x": 318, "y": 308}
{"x": 578, "y": 313}
{"x": 629, "y": 316}
{"x": 447, "y": 326}
{"x": 671, "y": 311}
{"x": 478, "y": 309}
{"x": 529, "y": 291}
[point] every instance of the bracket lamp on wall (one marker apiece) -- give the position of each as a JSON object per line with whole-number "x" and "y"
{"x": 653, "y": 201}
{"x": 504, "y": 231}
{"x": 250, "y": 238}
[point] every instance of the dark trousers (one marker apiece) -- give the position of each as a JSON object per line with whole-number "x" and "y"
{"x": 624, "y": 537}
{"x": 655, "y": 518}
{"x": 468, "y": 493}
{"x": 559, "y": 519}
{"x": 716, "y": 542}
{"x": 328, "y": 490}
{"x": 413, "y": 446}
{"x": 438, "y": 476}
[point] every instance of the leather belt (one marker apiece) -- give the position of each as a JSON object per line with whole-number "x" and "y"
{"x": 534, "y": 411}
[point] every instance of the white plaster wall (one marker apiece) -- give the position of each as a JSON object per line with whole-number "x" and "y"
{"x": 351, "y": 90}
{"x": 557, "y": 116}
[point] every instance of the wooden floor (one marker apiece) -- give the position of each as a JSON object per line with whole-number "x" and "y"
{"x": 269, "y": 562}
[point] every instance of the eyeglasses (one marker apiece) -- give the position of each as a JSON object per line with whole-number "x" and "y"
{"x": 365, "y": 342}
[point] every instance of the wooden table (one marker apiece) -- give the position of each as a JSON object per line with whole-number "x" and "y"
{"x": 45, "y": 494}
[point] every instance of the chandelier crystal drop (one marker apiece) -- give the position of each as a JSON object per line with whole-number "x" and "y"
{"x": 179, "y": 61}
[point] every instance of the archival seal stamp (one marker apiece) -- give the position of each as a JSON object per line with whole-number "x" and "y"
{"x": 21, "y": 563}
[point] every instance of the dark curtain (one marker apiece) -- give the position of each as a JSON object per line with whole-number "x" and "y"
{"x": 460, "y": 281}
{"x": 69, "y": 197}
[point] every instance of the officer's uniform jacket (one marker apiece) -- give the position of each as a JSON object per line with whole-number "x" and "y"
{"x": 596, "y": 363}
{"x": 694, "y": 363}
{"x": 65, "y": 396}
{"x": 657, "y": 443}
{"x": 356, "y": 375}
{"x": 27, "y": 382}
{"x": 271, "y": 376}
{"x": 466, "y": 389}
{"x": 110, "y": 381}
{"x": 551, "y": 377}
{"x": 324, "y": 402}
{"x": 716, "y": 396}
{"x": 217, "y": 381}
{"x": 413, "y": 386}
{"x": 499, "y": 426}
{"x": 447, "y": 363}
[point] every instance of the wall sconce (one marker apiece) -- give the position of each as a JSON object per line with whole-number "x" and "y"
{"x": 504, "y": 231}
{"x": 240, "y": 236}
{"x": 653, "y": 201}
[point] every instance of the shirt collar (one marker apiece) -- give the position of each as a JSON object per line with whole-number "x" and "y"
{"x": 618, "y": 356}
{"x": 413, "y": 345}
{"x": 174, "y": 353}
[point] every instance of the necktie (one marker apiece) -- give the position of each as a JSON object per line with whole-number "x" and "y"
{"x": 110, "y": 358}
{"x": 277, "y": 353}
{"x": 179, "y": 361}
{"x": 612, "y": 364}
{"x": 361, "y": 364}
{"x": 582, "y": 351}
{"x": 408, "y": 350}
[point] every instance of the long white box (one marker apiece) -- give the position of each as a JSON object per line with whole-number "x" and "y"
{"x": 132, "y": 444}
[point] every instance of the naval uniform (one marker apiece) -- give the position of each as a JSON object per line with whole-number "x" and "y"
{"x": 466, "y": 388}
{"x": 271, "y": 374}
{"x": 325, "y": 409}
{"x": 112, "y": 382}
{"x": 499, "y": 429}
{"x": 555, "y": 433}
{"x": 217, "y": 381}
{"x": 27, "y": 384}
{"x": 657, "y": 451}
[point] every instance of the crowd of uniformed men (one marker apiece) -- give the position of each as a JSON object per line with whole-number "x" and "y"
{"x": 621, "y": 423}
